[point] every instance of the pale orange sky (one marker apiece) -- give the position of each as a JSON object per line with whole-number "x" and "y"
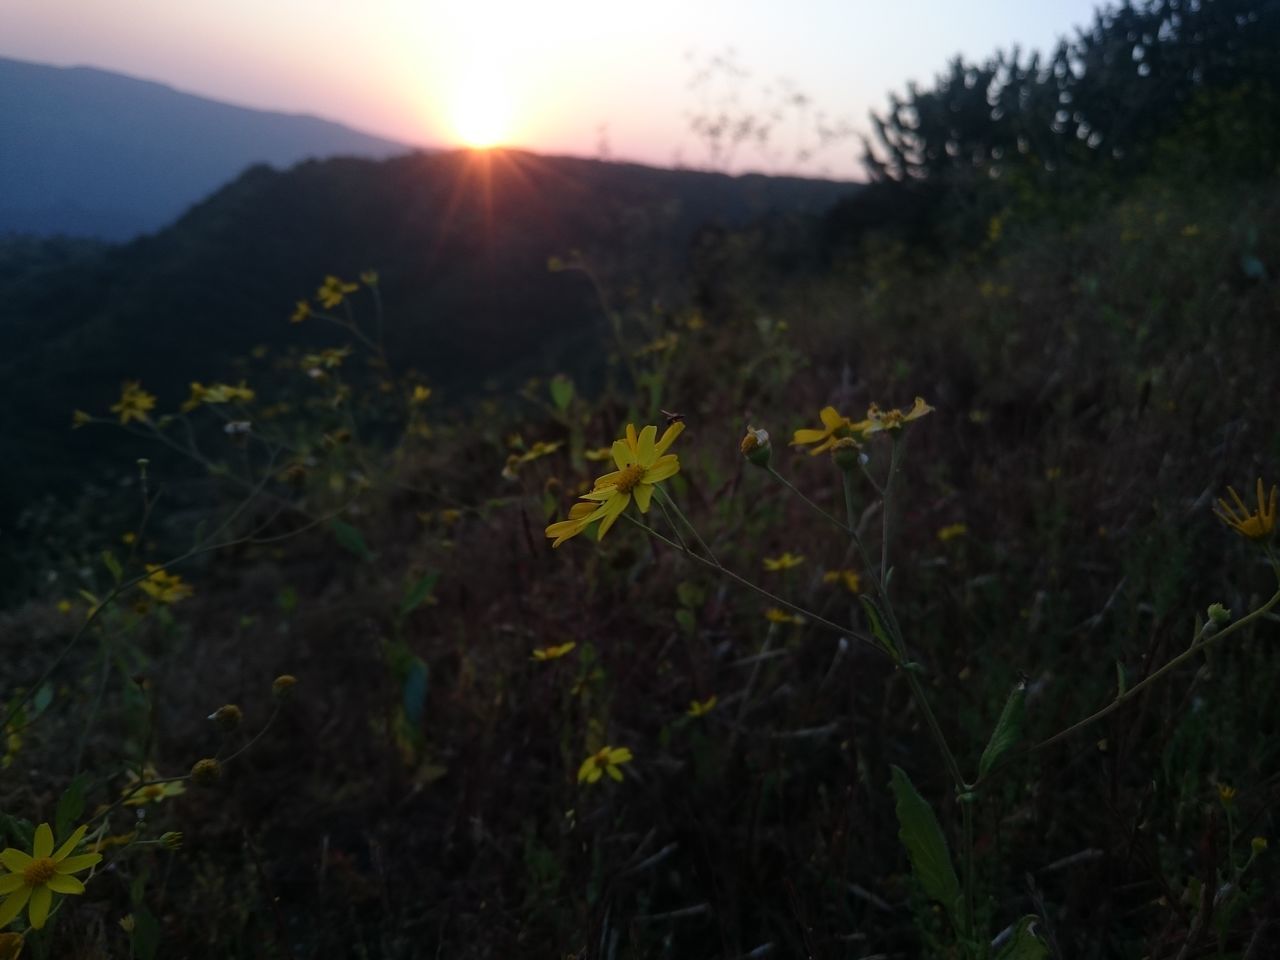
{"x": 545, "y": 76}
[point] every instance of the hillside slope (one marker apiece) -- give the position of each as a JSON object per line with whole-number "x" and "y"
{"x": 94, "y": 153}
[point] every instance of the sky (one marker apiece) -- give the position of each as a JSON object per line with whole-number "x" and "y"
{"x": 598, "y": 78}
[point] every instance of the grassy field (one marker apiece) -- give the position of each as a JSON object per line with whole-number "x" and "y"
{"x": 756, "y": 654}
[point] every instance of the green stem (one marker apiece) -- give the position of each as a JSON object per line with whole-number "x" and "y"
{"x": 790, "y": 486}
{"x": 662, "y": 496}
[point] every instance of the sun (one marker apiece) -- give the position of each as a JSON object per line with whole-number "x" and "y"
{"x": 482, "y": 112}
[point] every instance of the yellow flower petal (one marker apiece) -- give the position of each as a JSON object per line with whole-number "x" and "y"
{"x": 41, "y": 899}
{"x": 643, "y": 493}
{"x": 72, "y": 842}
{"x": 645, "y": 448}
{"x": 62, "y": 883}
{"x": 43, "y": 845}
{"x": 668, "y": 437}
{"x": 15, "y": 860}
{"x": 76, "y": 864}
{"x": 10, "y": 882}
{"x": 13, "y": 906}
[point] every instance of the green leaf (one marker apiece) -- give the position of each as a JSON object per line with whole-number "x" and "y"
{"x": 877, "y": 628}
{"x": 1008, "y": 730}
{"x": 1024, "y": 944}
{"x": 113, "y": 565}
{"x": 561, "y": 391}
{"x": 418, "y": 592}
{"x": 926, "y": 846}
{"x": 70, "y": 806}
{"x": 349, "y": 537}
{"x": 145, "y": 939}
{"x": 43, "y": 697}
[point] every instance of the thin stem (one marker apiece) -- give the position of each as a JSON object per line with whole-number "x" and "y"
{"x": 790, "y": 486}
{"x": 885, "y": 516}
{"x": 1200, "y": 644}
{"x": 851, "y": 512}
{"x": 751, "y": 586}
{"x": 662, "y": 496}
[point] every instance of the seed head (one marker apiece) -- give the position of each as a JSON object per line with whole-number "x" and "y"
{"x": 206, "y": 772}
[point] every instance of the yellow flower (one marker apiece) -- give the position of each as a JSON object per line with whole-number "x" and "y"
{"x": 1258, "y": 844}
{"x": 778, "y": 615}
{"x": 134, "y": 402}
{"x": 553, "y": 653}
{"x": 605, "y": 760}
{"x": 79, "y": 419}
{"x": 300, "y": 312}
{"x": 642, "y": 462}
{"x": 850, "y": 578}
{"x": 329, "y": 359}
{"x": 128, "y": 538}
{"x": 700, "y": 708}
{"x": 64, "y": 606}
{"x": 420, "y": 395}
{"x": 951, "y": 531}
{"x": 599, "y": 454}
{"x": 37, "y": 876}
{"x": 151, "y": 792}
{"x": 834, "y": 426}
{"x": 784, "y": 562}
{"x": 369, "y": 278}
{"x": 1256, "y": 525}
{"x": 880, "y": 420}
{"x": 333, "y": 291}
{"x": 1226, "y": 793}
{"x": 163, "y": 586}
{"x": 660, "y": 345}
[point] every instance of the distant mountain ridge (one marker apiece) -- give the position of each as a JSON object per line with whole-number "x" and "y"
{"x": 88, "y": 152}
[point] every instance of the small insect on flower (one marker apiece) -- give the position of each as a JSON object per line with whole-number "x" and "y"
{"x": 700, "y": 708}
{"x": 1252, "y": 525}
{"x": 784, "y": 562}
{"x": 553, "y": 653}
{"x": 605, "y": 760}
{"x": 37, "y": 876}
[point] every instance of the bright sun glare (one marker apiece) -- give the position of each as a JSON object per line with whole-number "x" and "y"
{"x": 481, "y": 112}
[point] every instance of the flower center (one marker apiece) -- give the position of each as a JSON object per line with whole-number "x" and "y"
{"x": 39, "y": 872}
{"x": 630, "y": 478}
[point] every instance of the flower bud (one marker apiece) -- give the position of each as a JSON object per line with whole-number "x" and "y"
{"x": 845, "y": 453}
{"x": 1258, "y": 845}
{"x": 755, "y": 446}
{"x": 228, "y": 717}
{"x": 283, "y": 685}
{"x": 1219, "y": 614}
{"x": 206, "y": 772}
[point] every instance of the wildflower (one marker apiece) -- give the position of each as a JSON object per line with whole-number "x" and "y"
{"x": 599, "y": 454}
{"x": 553, "y": 653}
{"x": 643, "y": 462}
{"x": 778, "y": 615}
{"x": 115, "y": 840}
{"x": 333, "y": 291}
{"x": 755, "y": 446}
{"x": 1256, "y": 525}
{"x": 1227, "y": 794}
{"x": 283, "y": 685}
{"x": 881, "y": 420}
{"x": 228, "y": 716}
{"x": 850, "y": 578}
{"x": 128, "y": 924}
{"x": 1219, "y": 614}
{"x": 206, "y": 772}
{"x": 64, "y": 606}
{"x": 300, "y": 312}
{"x": 164, "y": 587}
{"x": 328, "y": 359}
{"x": 134, "y": 402}
{"x": 171, "y": 840}
{"x": 700, "y": 708}
{"x": 834, "y": 426}
{"x": 79, "y": 419}
{"x": 784, "y": 562}
{"x": 128, "y": 538}
{"x": 951, "y": 531}
{"x": 37, "y": 876}
{"x": 660, "y": 345}
{"x": 420, "y": 395}
{"x": 605, "y": 760}
{"x": 369, "y": 278}
{"x": 1258, "y": 845}
{"x": 141, "y": 791}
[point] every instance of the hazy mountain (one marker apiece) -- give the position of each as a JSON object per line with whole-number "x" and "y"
{"x": 86, "y": 152}
{"x": 461, "y": 241}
